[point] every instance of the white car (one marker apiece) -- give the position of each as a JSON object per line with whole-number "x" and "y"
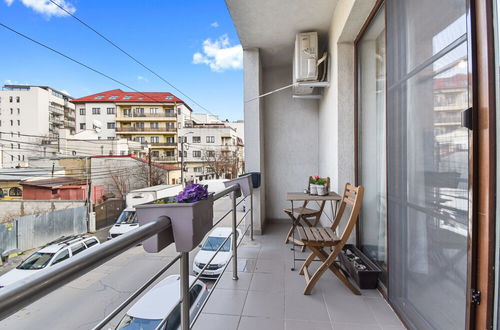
{"x": 57, "y": 251}
{"x": 126, "y": 222}
{"x": 208, "y": 248}
{"x": 160, "y": 302}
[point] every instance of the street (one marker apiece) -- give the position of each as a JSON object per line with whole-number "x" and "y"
{"x": 85, "y": 301}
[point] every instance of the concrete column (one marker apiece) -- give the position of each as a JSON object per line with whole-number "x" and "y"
{"x": 254, "y": 130}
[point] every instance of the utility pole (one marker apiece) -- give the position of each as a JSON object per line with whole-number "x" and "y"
{"x": 182, "y": 161}
{"x": 150, "y": 173}
{"x": 53, "y": 164}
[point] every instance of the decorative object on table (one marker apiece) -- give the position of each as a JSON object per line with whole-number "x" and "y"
{"x": 245, "y": 182}
{"x": 191, "y": 213}
{"x": 359, "y": 267}
{"x": 319, "y": 186}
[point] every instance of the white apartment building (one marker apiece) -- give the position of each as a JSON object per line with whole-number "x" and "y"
{"x": 30, "y": 120}
{"x": 97, "y": 116}
{"x": 211, "y": 151}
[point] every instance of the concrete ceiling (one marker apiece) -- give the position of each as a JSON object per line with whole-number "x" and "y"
{"x": 271, "y": 25}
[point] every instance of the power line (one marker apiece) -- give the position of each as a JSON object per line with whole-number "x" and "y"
{"x": 72, "y": 59}
{"x": 133, "y": 58}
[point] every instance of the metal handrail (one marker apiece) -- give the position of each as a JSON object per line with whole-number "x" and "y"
{"x": 24, "y": 292}
{"x": 127, "y": 301}
{"x": 18, "y": 295}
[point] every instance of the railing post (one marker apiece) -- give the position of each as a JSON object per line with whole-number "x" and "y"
{"x": 235, "y": 238}
{"x": 251, "y": 216}
{"x": 184, "y": 288}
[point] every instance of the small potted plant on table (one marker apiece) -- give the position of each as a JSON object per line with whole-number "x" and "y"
{"x": 191, "y": 213}
{"x": 318, "y": 186}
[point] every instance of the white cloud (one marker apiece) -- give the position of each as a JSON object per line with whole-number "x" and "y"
{"x": 47, "y": 8}
{"x": 141, "y": 78}
{"x": 214, "y": 24}
{"x": 8, "y": 82}
{"x": 219, "y": 55}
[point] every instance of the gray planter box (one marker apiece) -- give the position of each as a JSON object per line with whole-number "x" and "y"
{"x": 245, "y": 183}
{"x": 190, "y": 223}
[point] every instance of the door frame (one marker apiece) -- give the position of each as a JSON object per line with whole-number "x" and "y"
{"x": 482, "y": 249}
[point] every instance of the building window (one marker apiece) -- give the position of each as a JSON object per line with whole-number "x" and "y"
{"x": 98, "y": 97}
{"x": 139, "y": 126}
{"x": 18, "y": 111}
{"x": 82, "y": 126}
{"x": 11, "y": 99}
{"x": 110, "y": 111}
{"x": 153, "y": 110}
{"x": 170, "y": 139}
{"x": 15, "y": 191}
{"x": 111, "y": 125}
{"x": 196, "y": 139}
{"x": 210, "y": 153}
{"x": 12, "y": 145}
{"x": 127, "y": 97}
{"x": 197, "y": 169}
{"x": 18, "y": 99}
{"x": 196, "y": 153}
{"x": 154, "y": 125}
{"x": 155, "y": 139}
{"x": 18, "y": 146}
{"x": 96, "y": 111}
{"x": 139, "y": 112}
{"x": 11, "y": 111}
{"x": 11, "y": 122}
{"x": 179, "y": 111}
{"x": 111, "y": 137}
{"x": 18, "y": 122}
{"x": 210, "y": 139}
{"x": 82, "y": 111}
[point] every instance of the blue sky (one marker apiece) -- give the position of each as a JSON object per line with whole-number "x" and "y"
{"x": 193, "y": 44}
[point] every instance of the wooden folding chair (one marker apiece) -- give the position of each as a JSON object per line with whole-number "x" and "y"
{"x": 319, "y": 238}
{"x": 307, "y": 215}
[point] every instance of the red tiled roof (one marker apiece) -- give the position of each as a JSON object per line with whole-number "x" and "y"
{"x": 119, "y": 96}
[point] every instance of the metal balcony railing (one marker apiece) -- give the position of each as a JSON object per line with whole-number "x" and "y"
{"x": 56, "y": 110}
{"x": 146, "y": 129}
{"x": 165, "y": 159}
{"x": 163, "y": 144}
{"x": 154, "y": 115}
{"x": 25, "y": 292}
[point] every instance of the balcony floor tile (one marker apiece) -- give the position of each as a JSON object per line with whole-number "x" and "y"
{"x": 268, "y": 295}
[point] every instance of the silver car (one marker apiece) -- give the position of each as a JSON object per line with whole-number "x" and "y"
{"x": 162, "y": 301}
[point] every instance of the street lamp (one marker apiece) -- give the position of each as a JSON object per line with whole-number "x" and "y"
{"x": 182, "y": 155}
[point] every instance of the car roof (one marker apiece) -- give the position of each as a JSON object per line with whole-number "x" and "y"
{"x": 221, "y": 232}
{"x": 53, "y": 248}
{"x": 160, "y": 300}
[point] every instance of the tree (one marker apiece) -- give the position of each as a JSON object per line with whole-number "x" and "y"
{"x": 121, "y": 180}
{"x": 224, "y": 164}
{"x": 159, "y": 175}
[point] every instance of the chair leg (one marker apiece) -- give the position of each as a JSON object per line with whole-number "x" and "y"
{"x": 307, "y": 262}
{"x": 328, "y": 263}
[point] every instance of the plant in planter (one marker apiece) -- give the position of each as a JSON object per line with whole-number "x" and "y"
{"x": 318, "y": 186}
{"x": 191, "y": 214}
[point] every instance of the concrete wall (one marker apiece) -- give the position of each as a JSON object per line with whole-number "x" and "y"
{"x": 14, "y": 208}
{"x": 291, "y": 141}
{"x": 254, "y": 131}
{"x": 336, "y": 108}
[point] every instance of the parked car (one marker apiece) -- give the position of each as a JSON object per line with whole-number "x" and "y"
{"x": 209, "y": 246}
{"x": 162, "y": 301}
{"x": 53, "y": 253}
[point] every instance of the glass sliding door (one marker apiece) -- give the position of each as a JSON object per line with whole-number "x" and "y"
{"x": 428, "y": 161}
{"x": 371, "y": 140}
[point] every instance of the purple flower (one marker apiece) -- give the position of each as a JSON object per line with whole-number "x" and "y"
{"x": 192, "y": 193}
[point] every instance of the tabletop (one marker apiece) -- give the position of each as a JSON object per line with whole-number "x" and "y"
{"x": 300, "y": 196}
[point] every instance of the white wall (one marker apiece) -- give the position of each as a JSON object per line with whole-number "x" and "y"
{"x": 89, "y": 118}
{"x": 14, "y": 208}
{"x": 291, "y": 141}
{"x": 336, "y": 108}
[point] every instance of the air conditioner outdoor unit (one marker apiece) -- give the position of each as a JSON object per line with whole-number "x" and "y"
{"x": 306, "y": 62}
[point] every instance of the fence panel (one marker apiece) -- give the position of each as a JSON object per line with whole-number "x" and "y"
{"x": 8, "y": 236}
{"x": 39, "y": 229}
{"x": 107, "y": 212}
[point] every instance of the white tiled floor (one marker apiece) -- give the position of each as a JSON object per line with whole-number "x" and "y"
{"x": 268, "y": 296}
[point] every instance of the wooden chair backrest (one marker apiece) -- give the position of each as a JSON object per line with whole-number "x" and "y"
{"x": 327, "y": 182}
{"x": 353, "y": 196}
